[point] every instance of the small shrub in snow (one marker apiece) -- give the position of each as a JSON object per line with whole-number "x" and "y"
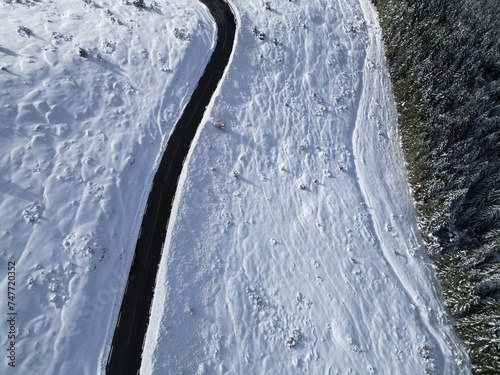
{"x": 218, "y": 123}
{"x": 109, "y": 46}
{"x": 292, "y": 341}
{"x": 33, "y": 213}
{"x": 255, "y": 295}
{"x": 267, "y": 5}
{"x": 354, "y": 345}
{"x": 155, "y": 7}
{"x": 82, "y": 52}
{"x": 258, "y": 33}
{"x": 24, "y": 31}
{"x": 23, "y": 2}
{"x": 90, "y": 4}
{"x": 302, "y": 187}
{"x": 60, "y": 37}
{"x": 182, "y": 34}
{"x": 139, "y": 4}
{"x": 425, "y": 351}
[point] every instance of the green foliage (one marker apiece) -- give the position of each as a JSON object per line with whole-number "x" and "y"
{"x": 481, "y": 335}
{"x": 444, "y": 61}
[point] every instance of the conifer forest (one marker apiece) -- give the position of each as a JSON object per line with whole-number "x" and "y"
{"x": 444, "y": 61}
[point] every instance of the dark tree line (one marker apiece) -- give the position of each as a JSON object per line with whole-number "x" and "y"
{"x": 444, "y": 61}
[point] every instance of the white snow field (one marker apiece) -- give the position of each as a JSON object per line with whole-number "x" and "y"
{"x": 80, "y": 139}
{"x": 293, "y": 245}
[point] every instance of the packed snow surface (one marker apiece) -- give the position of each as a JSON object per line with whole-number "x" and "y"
{"x": 293, "y": 245}
{"x": 80, "y": 138}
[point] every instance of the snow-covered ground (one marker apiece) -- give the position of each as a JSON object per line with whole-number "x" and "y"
{"x": 293, "y": 248}
{"x": 79, "y": 141}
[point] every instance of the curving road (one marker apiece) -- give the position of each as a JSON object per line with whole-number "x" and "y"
{"x": 126, "y": 348}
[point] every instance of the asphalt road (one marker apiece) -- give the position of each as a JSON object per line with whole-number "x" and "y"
{"x": 126, "y": 348}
